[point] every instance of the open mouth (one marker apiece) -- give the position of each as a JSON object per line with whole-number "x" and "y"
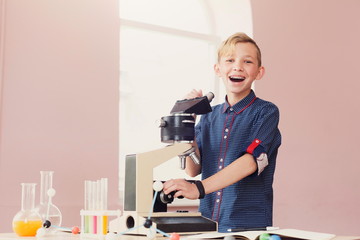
{"x": 236, "y": 79}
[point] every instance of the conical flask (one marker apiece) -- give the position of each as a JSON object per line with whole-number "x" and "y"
{"x": 27, "y": 221}
{"x": 47, "y": 210}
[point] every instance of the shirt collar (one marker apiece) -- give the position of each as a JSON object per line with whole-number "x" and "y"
{"x": 239, "y": 106}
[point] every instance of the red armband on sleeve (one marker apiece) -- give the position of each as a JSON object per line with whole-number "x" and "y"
{"x": 253, "y": 145}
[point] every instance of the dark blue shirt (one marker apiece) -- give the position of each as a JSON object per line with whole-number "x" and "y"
{"x": 224, "y": 135}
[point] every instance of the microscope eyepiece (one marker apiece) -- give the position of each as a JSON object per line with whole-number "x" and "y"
{"x": 210, "y": 96}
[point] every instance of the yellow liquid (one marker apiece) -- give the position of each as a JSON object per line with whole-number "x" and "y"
{"x": 26, "y": 229}
{"x": 105, "y": 225}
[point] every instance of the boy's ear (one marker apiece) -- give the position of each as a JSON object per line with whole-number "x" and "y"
{"x": 217, "y": 70}
{"x": 261, "y": 73}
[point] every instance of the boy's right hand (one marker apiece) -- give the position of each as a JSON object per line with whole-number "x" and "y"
{"x": 194, "y": 94}
{"x": 181, "y": 187}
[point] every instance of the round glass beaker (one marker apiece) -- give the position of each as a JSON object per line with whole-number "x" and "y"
{"x": 27, "y": 221}
{"x": 47, "y": 210}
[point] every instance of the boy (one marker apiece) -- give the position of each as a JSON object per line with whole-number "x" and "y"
{"x": 237, "y": 142}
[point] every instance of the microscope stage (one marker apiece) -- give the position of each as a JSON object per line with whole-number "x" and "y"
{"x": 187, "y": 224}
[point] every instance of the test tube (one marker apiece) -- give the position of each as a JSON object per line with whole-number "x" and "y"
{"x": 104, "y": 191}
{"x": 87, "y": 206}
{"x": 94, "y": 207}
{"x": 97, "y": 195}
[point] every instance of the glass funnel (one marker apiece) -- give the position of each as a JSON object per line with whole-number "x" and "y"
{"x": 27, "y": 221}
{"x": 47, "y": 210}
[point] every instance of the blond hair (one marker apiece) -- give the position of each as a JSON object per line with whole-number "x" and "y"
{"x": 229, "y": 44}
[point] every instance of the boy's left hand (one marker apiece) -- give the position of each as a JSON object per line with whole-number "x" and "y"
{"x": 182, "y": 188}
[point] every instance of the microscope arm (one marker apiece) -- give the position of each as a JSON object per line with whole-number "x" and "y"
{"x": 145, "y": 163}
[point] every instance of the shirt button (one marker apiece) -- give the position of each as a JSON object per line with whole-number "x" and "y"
{"x": 226, "y": 130}
{"x": 231, "y": 109}
{"x": 217, "y": 200}
{"x": 219, "y": 193}
{"x": 225, "y": 137}
{"x": 221, "y": 160}
{"x": 220, "y": 167}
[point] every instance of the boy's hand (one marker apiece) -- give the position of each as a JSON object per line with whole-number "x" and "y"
{"x": 194, "y": 94}
{"x": 182, "y": 188}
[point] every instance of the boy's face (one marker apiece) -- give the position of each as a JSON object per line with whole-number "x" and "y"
{"x": 239, "y": 70}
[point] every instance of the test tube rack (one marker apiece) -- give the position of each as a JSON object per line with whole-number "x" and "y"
{"x": 95, "y": 223}
{"x": 95, "y": 215}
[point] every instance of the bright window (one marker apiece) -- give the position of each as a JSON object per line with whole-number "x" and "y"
{"x": 167, "y": 48}
{"x": 188, "y": 15}
{"x": 162, "y": 58}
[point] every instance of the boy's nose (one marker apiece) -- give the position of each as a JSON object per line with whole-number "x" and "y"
{"x": 238, "y": 68}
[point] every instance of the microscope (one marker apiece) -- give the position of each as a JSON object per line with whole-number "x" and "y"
{"x": 178, "y": 131}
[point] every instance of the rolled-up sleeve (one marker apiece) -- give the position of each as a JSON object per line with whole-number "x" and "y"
{"x": 264, "y": 131}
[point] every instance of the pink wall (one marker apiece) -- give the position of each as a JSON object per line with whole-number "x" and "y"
{"x": 311, "y": 50}
{"x": 59, "y": 100}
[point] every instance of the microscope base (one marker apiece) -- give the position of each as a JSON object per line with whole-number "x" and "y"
{"x": 192, "y": 224}
{"x": 182, "y": 223}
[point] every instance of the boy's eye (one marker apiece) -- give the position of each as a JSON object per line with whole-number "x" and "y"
{"x": 229, "y": 60}
{"x": 248, "y": 61}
